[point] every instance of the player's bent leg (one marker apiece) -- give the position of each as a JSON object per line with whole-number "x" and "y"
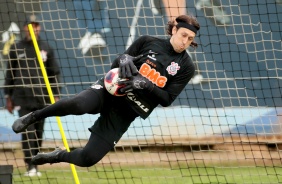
{"x": 23, "y": 122}
{"x": 86, "y": 101}
{"x": 92, "y": 153}
{"x": 95, "y": 149}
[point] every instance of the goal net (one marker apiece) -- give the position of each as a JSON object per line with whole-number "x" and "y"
{"x": 225, "y": 126}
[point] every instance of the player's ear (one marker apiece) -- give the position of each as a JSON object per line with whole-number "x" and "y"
{"x": 174, "y": 30}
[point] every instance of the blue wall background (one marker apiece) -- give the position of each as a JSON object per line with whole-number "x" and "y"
{"x": 241, "y": 63}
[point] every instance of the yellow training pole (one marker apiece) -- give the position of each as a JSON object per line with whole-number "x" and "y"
{"x": 31, "y": 31}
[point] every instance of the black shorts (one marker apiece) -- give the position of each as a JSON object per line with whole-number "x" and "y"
{"x": 115, "y": 117}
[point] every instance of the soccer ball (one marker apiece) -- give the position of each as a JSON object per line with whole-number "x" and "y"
{"x": 111, "y": 82}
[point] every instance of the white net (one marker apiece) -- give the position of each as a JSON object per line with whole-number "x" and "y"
{"x": 224, "y": 127}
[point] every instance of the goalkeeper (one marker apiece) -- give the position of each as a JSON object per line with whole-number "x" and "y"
{"x": 157, "y": 71}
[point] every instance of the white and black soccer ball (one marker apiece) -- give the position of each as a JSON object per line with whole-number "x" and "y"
{"x": 111, "y": 82}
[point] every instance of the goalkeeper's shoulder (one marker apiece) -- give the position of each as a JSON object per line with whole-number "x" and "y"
{"x": 147, "y": 38}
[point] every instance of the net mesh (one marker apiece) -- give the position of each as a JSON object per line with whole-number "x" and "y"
{"x": 224, "y": 127}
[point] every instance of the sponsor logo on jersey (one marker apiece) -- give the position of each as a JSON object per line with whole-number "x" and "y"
{"x": 151, "y": 74}
{"x": 132, "y": 97}
{"x": 151, "y": 63}
{"x": 172, "y": 69}
{"x": 96, "y": 86}
{"x": 152, "y": 55}
{"x": 152, "y": 52}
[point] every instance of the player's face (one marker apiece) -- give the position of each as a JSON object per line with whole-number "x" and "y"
{"x": 36, "y": 29}
{"x": 181, "y": 39}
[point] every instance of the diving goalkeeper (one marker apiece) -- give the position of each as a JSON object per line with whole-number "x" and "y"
{"x": 157, "y": 71}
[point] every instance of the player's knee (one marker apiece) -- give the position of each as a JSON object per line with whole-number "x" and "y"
{"x": 90, "y": 159}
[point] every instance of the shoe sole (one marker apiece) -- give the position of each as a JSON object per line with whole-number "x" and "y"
{"x": 17, "y": 127}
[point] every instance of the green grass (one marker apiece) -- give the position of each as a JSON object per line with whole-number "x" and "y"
{"x": 155, "y": 174}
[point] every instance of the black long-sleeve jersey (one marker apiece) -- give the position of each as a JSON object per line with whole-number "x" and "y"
{"x": 168, "y": 70}
{"x": 24, "y": 80}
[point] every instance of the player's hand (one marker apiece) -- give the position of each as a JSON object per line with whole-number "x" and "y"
{"x": 136, "y": 82}
{"x": 126, "y": 66}
{"x": 9, "y": 105}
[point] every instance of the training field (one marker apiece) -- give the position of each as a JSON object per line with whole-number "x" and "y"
{"x": 208, "y": 163}
{"x": 224, "y": 127}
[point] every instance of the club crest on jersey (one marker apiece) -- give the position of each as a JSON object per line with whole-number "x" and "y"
{"x": 172, "y": 69}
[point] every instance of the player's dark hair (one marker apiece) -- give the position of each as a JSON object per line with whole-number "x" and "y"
{"x": 191, "y": 20}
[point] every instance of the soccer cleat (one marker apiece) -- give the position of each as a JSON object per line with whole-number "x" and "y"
{"x": 32, "y": 172}
{"x": 197, "y": 79}
{"x": 84, "y": 40}
{"x": 23, "y": 122}
{"x": 95, "y": 40}
{"x": 44, "y": 158}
